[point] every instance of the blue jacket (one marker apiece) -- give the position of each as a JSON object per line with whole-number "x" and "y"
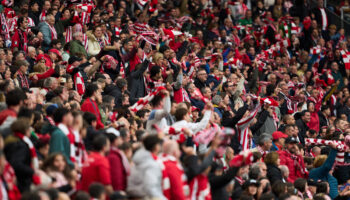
{"x": 45, "y": 30}
{"x": 322, "y": 173}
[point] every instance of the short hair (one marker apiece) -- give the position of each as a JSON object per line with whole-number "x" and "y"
{"x": 180, "y": 113}
{"x": 264, "y": 138}
{"x": 300, "y": 184}
{"x": 90, "y": 89}
{"x": 59, "y": 114}
{"x": 20, "y": 20}
{"x": 254, "y": 172}
{"x": 25, "y": 112}
{"x": 81, "y": 195}
{"x": 15, "y": 97}
{"x": 21, "y": 125}
{"x": 96, "y": 190}
{"x": 151, "y": 141}
{"x": 216, "y": 99}
{"x": 156, "y": 100}
{"x": 154, "y": 70}
{"x": 302, "y": 114}
{"x": 89, "y": 117}
{"x": 271, "y": 158}
{"x": 99, "y": 142}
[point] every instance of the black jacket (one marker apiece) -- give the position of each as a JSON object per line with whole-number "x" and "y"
{"x": 218, "y": 183}
{"x": 18, "y": 155}
{"x": 273, "y": 173}
{"x": 323, "y": 119}
{"x": 137, "y": 85}
{"x": 302, "y": 130}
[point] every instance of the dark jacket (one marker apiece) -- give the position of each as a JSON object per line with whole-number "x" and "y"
{"x": 323, "y": 119}
{"x": 60, "y": 27}
{"x": 137, "y": 85}
{"x": 18, "y": 155}
{"x": 231, "y": 122}
{"x": 199, "y": 84}
{"x": 302, "y": 130}
{"x": 218, "y": 183}
{"x": 76, "y": 46}
{"x": 274, "y": 173}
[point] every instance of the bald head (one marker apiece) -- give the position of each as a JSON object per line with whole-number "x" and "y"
{"x": 171, "y": 147}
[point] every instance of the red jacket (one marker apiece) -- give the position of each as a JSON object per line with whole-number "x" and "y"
{"x": 295, "y": 170}
{"x": 20, "y": 40}
{"x": 5, "y": 113}
{"x": 179, "y": 189}
{"x": 118, "y": 172}
{"x": 90, "y": 105}
{"x": 314, "y": 122}
{"x": 44, "y": 75}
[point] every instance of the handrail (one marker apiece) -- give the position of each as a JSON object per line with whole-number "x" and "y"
{"x": 342, "y": 14}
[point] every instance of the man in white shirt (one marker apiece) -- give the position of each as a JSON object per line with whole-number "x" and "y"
{"x": 183, "y": 119}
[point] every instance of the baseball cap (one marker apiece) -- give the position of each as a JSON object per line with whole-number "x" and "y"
{"x": 250, "y": 182}
{"x": 278, "y": 134}
{"x": 56, "y": 52}
{"x": 291, "y": 140}
{"x": 113, "y": 131}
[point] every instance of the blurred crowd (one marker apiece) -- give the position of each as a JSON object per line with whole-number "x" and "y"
{"x": 173, "y": 99}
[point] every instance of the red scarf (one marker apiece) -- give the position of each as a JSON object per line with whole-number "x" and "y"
{"x": 24, "y": 80}
{"x": 34, "y": 158}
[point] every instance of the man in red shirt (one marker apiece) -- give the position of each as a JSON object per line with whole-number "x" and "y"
{"x": 178, "y": 181}
{"x": 293, "y": 160}
{"x": 97, "y": 168}
{"x": 20, "y": 38}
{"x": 93, "y": 93}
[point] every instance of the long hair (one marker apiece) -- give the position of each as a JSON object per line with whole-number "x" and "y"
{"x": 49, "y": 165}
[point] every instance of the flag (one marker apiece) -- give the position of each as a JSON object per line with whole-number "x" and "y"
{"x": 243, "y": 126}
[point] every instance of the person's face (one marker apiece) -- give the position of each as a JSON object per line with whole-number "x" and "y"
{"x": 24, "y": 69}
{"x": 65, "y": 94}
{"x": 8, "y": 74}
{"x": 51, "y": 20}
{"x": 252, "y": 190}
{"x": 263, "y": 170}
{"x": 24, "y": 24}
{"x": 291, "y": 147}
{"x": 268, "y": 145}
{"x": 307, "y": 117}
{"x": 98, "y": 32}
{"x": 290, "y": 120}
{"x": 202, "y": 75}
{"x": 68, "y": 119}
{"x": 108, "y": 79}
{"x": 229, "y": 153}
{"x": 35, "y": 7}
{"x": 311, "y": 107}
{"x": 47, "y": 5}
{"x": 59, "y": 163}
{"x": 335, "y": 66}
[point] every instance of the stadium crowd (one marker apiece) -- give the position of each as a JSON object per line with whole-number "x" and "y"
{"x": 173, "y": 99}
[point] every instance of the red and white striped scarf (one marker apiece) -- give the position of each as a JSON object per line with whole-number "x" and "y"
{"x": 346, "y": 58}
{"x": 79, "y": 83}
{"x": 200, "y": 188}
{"x": 117, "y": 31}
{"x": 72, "y": 138}
{"x": 243, "y": 126}
{"x": 295, "y": 29}
{"x": 341, "y": 147}
{"x": 69, "y": 34}
{"x": 4, "y": 27}
{"x": 34, "y": 158}
{"x": 145, "y": 100}
{"x": 85, "y": 42}
{"x": 53, "y": 32}
{"x": 42, "y": 15}
{"x": 86, "y": 12}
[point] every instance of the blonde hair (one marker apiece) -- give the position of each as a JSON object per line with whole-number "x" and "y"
{"x": 319, "y": 160}
{"x": 157, "y": 56}
{"x": 40, "y": 67}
